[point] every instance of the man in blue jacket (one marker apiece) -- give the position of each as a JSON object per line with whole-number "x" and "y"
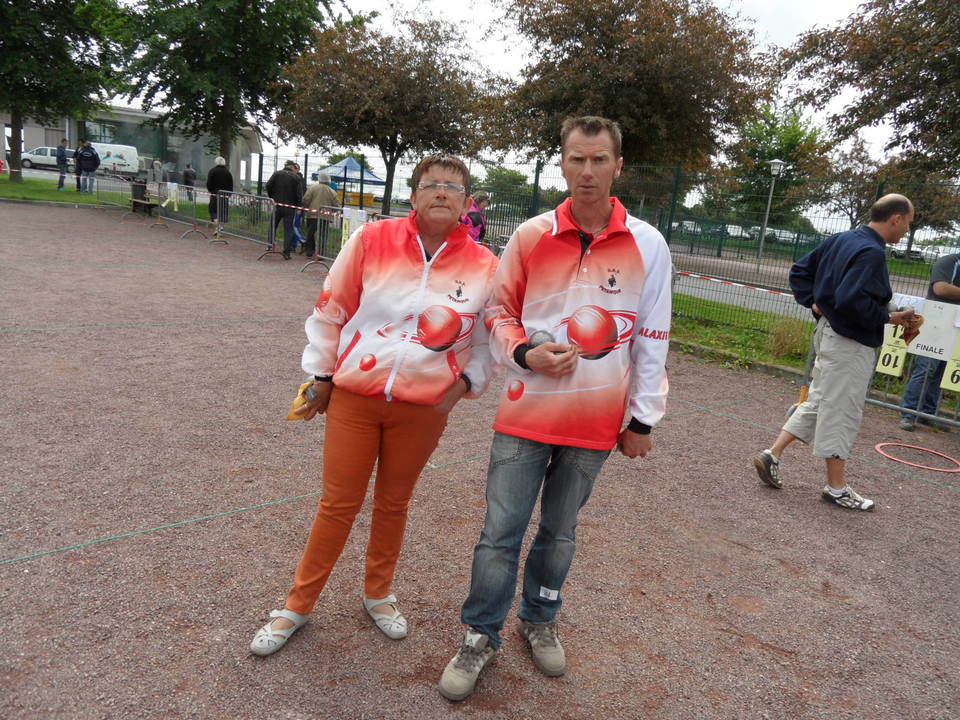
{"x": 88, "y": 160}
{"x": 845, "y": 283}
{"x": 63, "y": 162}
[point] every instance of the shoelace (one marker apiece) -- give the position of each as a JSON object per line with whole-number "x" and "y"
{"x": 469, "y": 657}
{"x": 542, "y": 635}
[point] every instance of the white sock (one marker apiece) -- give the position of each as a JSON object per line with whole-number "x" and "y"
{"x": 835, "y": 492}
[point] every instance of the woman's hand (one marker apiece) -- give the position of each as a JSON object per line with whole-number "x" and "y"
{"x": 452, "y": 397}
{"x": 318, "y": 397}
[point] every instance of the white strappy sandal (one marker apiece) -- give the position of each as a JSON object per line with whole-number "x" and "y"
{"x": 393, "y": 626}
{"x": 268, "y": 640}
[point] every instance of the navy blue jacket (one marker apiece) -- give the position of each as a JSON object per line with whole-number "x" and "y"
{"x": 61, "y": 155}
{"x": 87, "y": 159}
{"x": 846, "y": 276}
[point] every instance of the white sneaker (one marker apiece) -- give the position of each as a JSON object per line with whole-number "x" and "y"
{"x": 849, "y": 499}
{"x": 460, "y": 676}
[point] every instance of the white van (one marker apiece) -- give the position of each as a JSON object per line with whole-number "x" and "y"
{"x": 44, "y": 157}
{"x": 117, "y": 159}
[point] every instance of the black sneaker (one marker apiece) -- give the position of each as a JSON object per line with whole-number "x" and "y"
{"x": 768, "y": 469}
{"x": 849, "y": 499}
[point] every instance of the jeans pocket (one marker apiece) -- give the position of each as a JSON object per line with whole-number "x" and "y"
{"x": 590, "y": 462}
{"x": 505, "y": 449}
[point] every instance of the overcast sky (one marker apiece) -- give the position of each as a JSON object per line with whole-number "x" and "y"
{"x": 775, "y": 22}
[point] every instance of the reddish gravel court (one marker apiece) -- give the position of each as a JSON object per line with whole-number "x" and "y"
{"x": 155, "y": 502}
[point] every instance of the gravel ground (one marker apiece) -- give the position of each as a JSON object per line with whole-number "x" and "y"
{"x": 155, "y": 502}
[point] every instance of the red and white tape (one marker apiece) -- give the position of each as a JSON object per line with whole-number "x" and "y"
{"x": 734, "y": 284}
{"x": 329, "y": 213}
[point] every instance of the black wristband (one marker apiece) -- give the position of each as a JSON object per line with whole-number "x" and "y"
{"x": 323, "y": 378}
{"x": 520, "y": 355}
{"x": 638, "y": 427}
{"x": 467, "y": 381}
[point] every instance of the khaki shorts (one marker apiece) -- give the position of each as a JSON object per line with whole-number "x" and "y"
{"x": 831, "y": 416}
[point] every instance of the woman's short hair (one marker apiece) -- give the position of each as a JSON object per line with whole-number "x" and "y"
{"x": 448, "y": 162}
{"x": 481, "y": 197}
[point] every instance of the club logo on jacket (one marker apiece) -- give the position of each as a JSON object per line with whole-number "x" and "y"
{"x": 457, "y": 295}
{"x": 611, "y": 288}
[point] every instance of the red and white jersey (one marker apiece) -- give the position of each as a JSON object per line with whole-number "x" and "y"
{"x": 391, "y": 323}
{"x": 611, "y": 299}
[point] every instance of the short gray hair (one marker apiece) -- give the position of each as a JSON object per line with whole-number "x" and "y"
{"x": 220, "y": 161}
{"x": 323, "y": 178}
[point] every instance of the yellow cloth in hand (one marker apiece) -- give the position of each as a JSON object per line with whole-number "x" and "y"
{"x": 298, "y": 402}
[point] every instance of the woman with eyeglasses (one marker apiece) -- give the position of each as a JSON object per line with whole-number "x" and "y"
{"x": 395, "y": 340}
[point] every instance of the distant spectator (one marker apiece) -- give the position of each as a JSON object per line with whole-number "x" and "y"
{"x": 169, "y": 171}
{"x": 76, "y": 163}
{"x": 88, "y": 160}
{"x": 318, "y": 196}
{"x": 285, "y": 188}
{"x": 476, "y": 218}
{"x": 219, "y": 180}
{"x": 155, "y": 173}
{"x": 63, "y": 163}
{"x": 189, "y": 179}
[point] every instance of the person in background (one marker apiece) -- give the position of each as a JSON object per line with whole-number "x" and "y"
{"x": 923, "y": 389}
{"x": 285, "y": 188}
{"x": 396, "y": 339}
{"x": 76, "y": 164}
{"x": 219, "y": 180}
{"x": 63, "y": 163}
{"x": 845, "y": 282}
{"x": 318, "y": 197}
{"x": 88, "y": 160}
{"x": 476, "y": 217}
{"x": 189, "y": 179}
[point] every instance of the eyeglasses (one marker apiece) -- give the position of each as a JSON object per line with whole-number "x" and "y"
{"x": 435, "y": 187}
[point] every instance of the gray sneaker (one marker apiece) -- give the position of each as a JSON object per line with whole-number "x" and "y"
{"x": 461, "y": 673}
{"x": 768, "y": 469}
{"x": 545, "y": 646}
{"x": 850, "y": 499}
{"x": 908, "y": 423}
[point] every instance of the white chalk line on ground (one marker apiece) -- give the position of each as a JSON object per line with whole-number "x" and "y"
{"x": 712, "y": 409}
{"x": 171, "y": 323}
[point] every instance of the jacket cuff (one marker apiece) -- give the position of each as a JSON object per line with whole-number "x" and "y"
{"x": 520, "y": 355}
{"x": 638, "y": 427}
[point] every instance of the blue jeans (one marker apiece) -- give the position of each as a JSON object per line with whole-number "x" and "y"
{"x": 916, "y": 395}
{"x": 519, "y": 468}
{"x": 86, "y": 180}
{"x": 63, "y": 175}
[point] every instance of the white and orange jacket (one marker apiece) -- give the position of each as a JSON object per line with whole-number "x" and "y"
{"x": 391, "y": 323}
{"x": 611, "y": 299}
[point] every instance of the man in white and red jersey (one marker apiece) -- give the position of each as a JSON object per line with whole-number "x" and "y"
{"x": 580, "y": 318}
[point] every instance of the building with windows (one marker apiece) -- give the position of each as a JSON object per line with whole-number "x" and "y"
{"x": 126, "y": 126}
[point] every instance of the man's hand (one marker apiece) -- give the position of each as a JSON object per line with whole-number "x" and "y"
{"x": 903, "y": 317}
{"x": 452, "y": 397}
{"x": 552, "y": 359}
{"x": 318, "y": 405}
{"x": 634, "y": 444}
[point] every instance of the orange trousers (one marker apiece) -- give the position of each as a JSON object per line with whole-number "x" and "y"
{"x": 399, "y": 437}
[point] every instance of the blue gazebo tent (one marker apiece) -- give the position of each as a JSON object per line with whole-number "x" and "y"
{"x": 349, "y": 170}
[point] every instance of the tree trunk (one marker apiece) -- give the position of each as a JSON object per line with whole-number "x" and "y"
{"x": 226, "y": 143}
{"x": 16, "y": 144}
{"x": 391, "y": 162}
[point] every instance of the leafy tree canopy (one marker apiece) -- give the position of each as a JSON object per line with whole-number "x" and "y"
{"x": 210, "y": 66}
{"x": 676, "y": 74}
{"x": 935, "y": 196}
{"x": 902, "y": 57}
{"x": 409, "y": 93}
{"x": 57, "y": 58}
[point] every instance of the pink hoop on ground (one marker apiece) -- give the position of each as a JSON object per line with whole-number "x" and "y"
{"x": 878, "y": 447}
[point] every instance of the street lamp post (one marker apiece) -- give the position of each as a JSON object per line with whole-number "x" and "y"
{"x": 776, "y": 167}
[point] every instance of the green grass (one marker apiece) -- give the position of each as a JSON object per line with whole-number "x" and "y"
{"x": 43, "y": 189}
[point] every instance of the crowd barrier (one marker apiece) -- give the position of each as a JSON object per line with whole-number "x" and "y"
{"x": 250, "y": 217}
{"x": 179, "y": 203}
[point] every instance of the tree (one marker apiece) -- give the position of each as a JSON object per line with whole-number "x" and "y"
{"x": 902, "y": 57}
{"x": 935, "y": 196}
{"x": 849, "y": 187}
{"x": 210, "y": 66}
{"x": 676, "y": 74}
{"x": 772, "y": 135}
{"x": 57, "y": 58}
{"x": 412, "y": 92}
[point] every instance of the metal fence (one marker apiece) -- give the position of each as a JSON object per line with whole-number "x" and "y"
{"x": 251, "y": 217}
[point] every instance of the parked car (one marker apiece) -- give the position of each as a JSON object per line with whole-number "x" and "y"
{"x": 931, "y": 253}
{"x": 736, "y": 232}
{"x": 899, "y": 250}
{"x": 44, "y": 157}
